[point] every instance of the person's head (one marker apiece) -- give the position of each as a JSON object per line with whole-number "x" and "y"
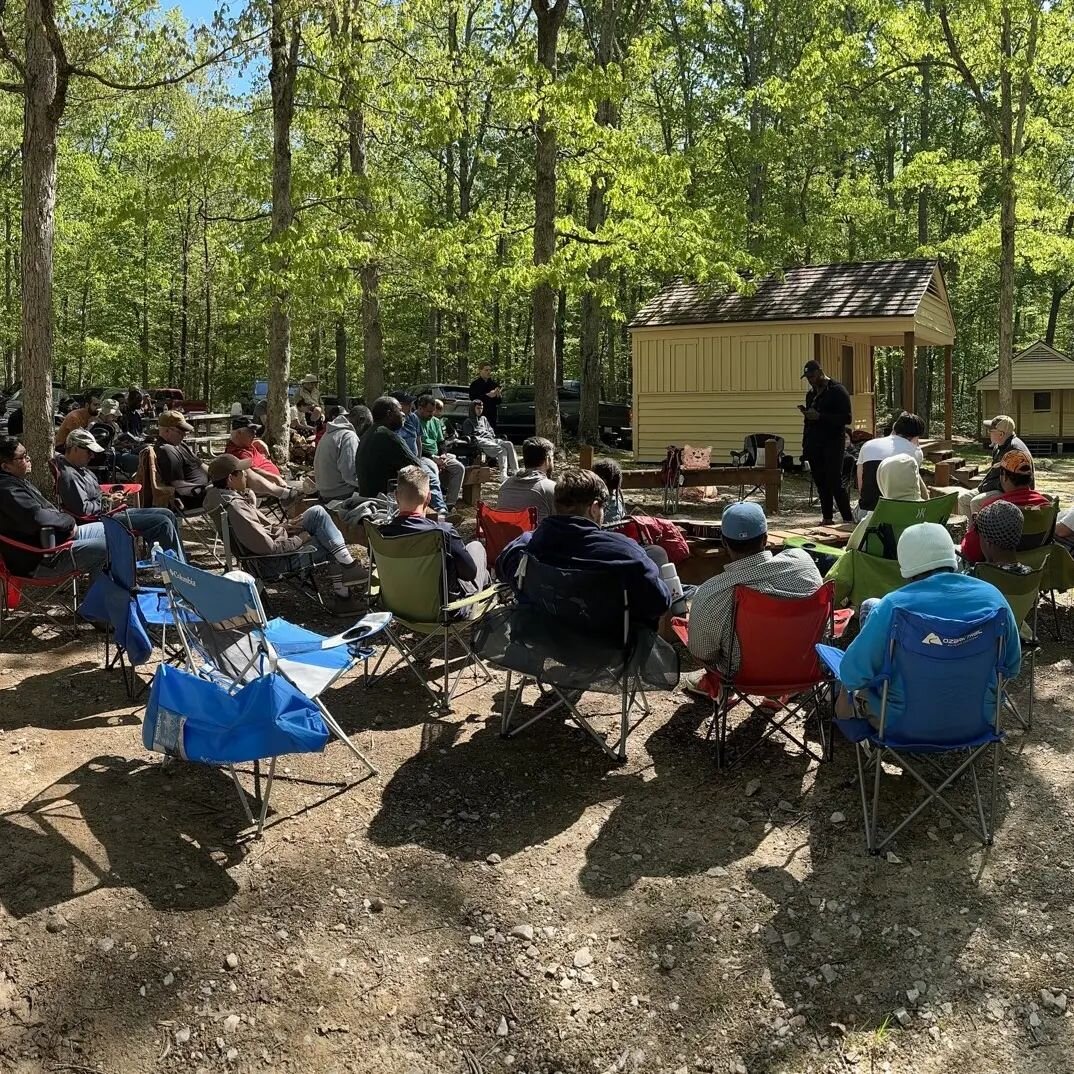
{"x": 405, "y": 400}
{"x": 227, "y": 472}
{"x": 899, "y": 478}
{"x": 361, "y": 418}
{"x": 813, "y": 373}
{"x": 172, "y": 427}
{"x": 580, "y": 492}
{"x": 243, "y": 432}
{"x": 1001, "y": 429}
{"x": 909, "y": 426}
{"x": 333, "y": 412}
{"x": 388, "y": 412}
{"x": 999, "y": 525}
{"x": 538, "y": 454}
{"x": 425, "y": 406}
{"x": 743, "y": 529}
{"x": 134, "y": 399}
{"x": 109, "y": 411}
{"x": 80, "y": 447}
{"x": 1015, "y": 471}
{"x": 611, "y": 473}
{"x": 484, "y": 370}
{"x": 315, "y": 415}
{"x": 412, "y": 489}
{"x": 93, "y": 405}
{"x": 310, "y": 381}
{"x": 477, "y": 409}
{"x": 438, "y": 407}
{"x": 14, "y": 458}
{"x": 925, "y": 549}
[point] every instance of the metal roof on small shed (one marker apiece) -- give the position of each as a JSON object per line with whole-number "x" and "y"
{"x": 813, "y": 292}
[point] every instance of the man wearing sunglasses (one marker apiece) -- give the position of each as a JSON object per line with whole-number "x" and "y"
{"x": 26, "y": 516}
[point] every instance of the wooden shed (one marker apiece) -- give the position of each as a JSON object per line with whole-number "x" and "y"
{"x": 1043, "y": 381}
{"x": 711, "y": 366}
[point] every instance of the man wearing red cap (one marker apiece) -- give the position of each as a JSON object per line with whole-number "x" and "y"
{"x": 1016, "y": 481}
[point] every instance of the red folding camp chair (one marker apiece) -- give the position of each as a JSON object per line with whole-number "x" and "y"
{"x": 496, "y": 529}
{"x": 779, "y": 666}
{"x": 36, "y": 595}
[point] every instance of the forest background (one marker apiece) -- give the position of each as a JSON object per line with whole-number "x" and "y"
{"x": 387, "y": 192}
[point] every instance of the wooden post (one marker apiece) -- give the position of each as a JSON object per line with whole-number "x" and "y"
{"x": 948, "y": 402}
{"x": 872, "y": 389}
{"x": 772, "y": 478}
{"x": 908, "y": 347}
{"x": 585, "y": 457}
{"x": 817, "y": 348}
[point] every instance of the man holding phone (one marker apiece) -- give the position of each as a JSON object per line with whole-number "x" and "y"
{"x": 826, "y": 416}
{"x": 487, "y": 391}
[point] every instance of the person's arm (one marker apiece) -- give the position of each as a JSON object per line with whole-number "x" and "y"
{"x": 348, "y": 458}
{"x": 29, "y": 515}
{"x": 167, "y": 466}
{"x": 864, "y": 658}
{"x": 465, "y": 567}
{"x": 508, "y": 560}
{"x": 75, "y": 497}
{"x": 649, "y": 597}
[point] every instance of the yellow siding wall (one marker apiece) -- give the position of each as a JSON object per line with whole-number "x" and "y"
{"x": 1041, "y": 375}
{"x": 861, "y": 386}
{"x": 935, "y": 316}
{"x": 1031, "y": 422}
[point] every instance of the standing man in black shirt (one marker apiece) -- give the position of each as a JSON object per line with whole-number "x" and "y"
{"x": 487, "y": 390}
{"x": 827, "y": 415}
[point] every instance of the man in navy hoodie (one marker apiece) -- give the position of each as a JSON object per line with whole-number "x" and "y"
{"x": 572, "y": 539}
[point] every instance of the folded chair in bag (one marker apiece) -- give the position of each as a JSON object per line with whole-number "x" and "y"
{"x": 134, "y": 612}
{"x": 571, "y": 633}
{"x": 1023, "y": 595}
{"x": 777, "y": 660}
{"x": 496, "y": 529}
{"x": 46, "y": 597}
{"x": 947, "y": 669}
{"x": 411, "y": 583}
{"x": 228, "y": 640}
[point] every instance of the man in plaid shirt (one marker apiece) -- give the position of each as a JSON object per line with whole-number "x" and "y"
{"x": 791, "y": 573}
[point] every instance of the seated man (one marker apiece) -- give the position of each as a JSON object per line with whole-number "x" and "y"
{"x": 78, "y": 418}
{"x": 431, "y": 449}
{"x": 905, "y": 438}
{"x": 999, "y": 529}
{"x": 382, "y": 454}
{"x": 1015, "y": 481}
{"x": 333, "y": 461}
{"x": 264, "y": 478}
{"x": 178, "y": 466}
{"x": 572, "y": 539}
{"x": 80, "y": 493}
{"x": 108, "y": 431}
{"x": 26, "y": 516}
{"x": 897, "y": 478}
{"x": 532, "y": 486}
{"x": 467, "y": 569}
{"x": 927, "y": 560}
{"x": 791, "y": 573}
{"x": 261, "y": 537}
{"x": 480, "y": 433}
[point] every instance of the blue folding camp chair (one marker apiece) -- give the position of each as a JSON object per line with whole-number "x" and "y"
{"x": 230, "y": 644}
{"x": 952, "y": 678}
{"x": 134, "y": 612}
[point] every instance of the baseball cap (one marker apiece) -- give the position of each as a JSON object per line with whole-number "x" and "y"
{"x": 109, "y": 406}
{"x": 810, "y": 367}
{"x": 172, "y": 419}
{"x": 83, "y": 438}
{"x": 243, "y": 422}
{"x": 1001, "y": 523}
{"x": 226, "y": 465}
{"x": 925, "y": 547}
{"x": 1016, "y": 462}
{"x": 743, "y": 522}
{"x": 402, "y": 397}
{"x": 1003, "y": 422}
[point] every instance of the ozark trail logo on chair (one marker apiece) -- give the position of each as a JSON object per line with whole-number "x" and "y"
{"x": 935, "y": 639}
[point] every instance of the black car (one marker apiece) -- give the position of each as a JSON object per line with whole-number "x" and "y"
{"x": 515, "y": 418}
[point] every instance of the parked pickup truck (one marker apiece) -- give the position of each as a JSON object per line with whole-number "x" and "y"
{"x": 515, "y": 416}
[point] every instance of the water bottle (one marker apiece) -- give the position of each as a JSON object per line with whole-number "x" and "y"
{"x": 153, "y": 553}
{"x": 670, "y": 576}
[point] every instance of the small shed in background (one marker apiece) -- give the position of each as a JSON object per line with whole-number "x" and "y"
{"x": 1043, "y": 397}
{"x": 710, "y": 366}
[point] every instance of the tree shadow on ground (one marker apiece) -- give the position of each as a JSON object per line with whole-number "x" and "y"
{"x": 112, "y": 822}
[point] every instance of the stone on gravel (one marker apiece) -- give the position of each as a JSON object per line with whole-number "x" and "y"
{"x": 523, "y": 932}
{"x": 893, "y": 858}
{"x": 667, "y": 961}
{"x": 55, "y": 923}
{"x": 582, "y": 958}
{"x": 376, "y": 905}
{"x": 839, "y": 818}
{"x": 231, "y": 1023}
{"x": 828, "y": 973}
{"x": 902, "y": 1016}
{"x": 791, "y": 939}
{"x": 232, "y": 961}
{"x": 106, "y": 944}
{"x": 501, "y": 1029}
{"x": 752, "y": 787}
{"x": 494, "y": 859}
{"x": 182, "y": 1035}
{"x": 477, "y": 941}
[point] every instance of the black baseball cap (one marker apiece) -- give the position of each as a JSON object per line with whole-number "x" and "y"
{"x": 810, "y": 367}
{"x": 403, "y": 397}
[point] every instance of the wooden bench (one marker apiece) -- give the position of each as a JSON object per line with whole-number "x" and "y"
{"x": 473, "y": 479}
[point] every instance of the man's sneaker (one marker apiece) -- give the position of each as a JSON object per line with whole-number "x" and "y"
{"x": 349, "y": 605}
{"x": 353, "y": 575}
{"x": 290, "y": 496}
{"x": 691, "y": 684}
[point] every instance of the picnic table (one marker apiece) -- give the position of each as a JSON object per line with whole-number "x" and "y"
{"x": 210, "y": 424}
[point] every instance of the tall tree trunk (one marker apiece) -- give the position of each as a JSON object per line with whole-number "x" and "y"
{"x": 45, "y": 96}
{"x": 432, "y": 343}
{"x": 284, "y": 39}
{"x": 369, "y": 274}
{"x": 1007, "y": 218}
{"x": 342, "y": 389}
{"x": 83, "y": 319}
{"x": 9, "y": 274}
{"x": 550, "y": 14}
{"x": 561, "y": 335}
{"x": 207, "y": 380}
{"x": 184, "y": 304}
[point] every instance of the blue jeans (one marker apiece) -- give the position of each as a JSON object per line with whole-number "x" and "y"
{"x": 436, "y": 493}
{"x": 89, "y": 554}
{"x": 317, "y": 522}
{"x": 156, "y": 525}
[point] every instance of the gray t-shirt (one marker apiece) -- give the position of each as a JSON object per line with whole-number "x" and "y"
{"x": 528, "y": 488}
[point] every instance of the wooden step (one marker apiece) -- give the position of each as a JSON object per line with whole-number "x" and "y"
{"x": 939, "y": 456}
{"x": 966, "y": 473}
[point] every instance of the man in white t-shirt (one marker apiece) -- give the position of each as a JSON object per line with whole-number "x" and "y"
{"x": 905, "y": 434}
{"x": 1064, "y": 529}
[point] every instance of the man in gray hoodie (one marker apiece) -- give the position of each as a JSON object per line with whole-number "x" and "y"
{"x": 532, "y": 486}
{"x": 333, "y": 462}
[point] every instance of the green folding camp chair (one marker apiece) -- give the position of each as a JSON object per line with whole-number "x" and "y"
{"x": 1038, "y": 536}
{"x": 1023, "y": 595}
{"x": 410, "y": 580}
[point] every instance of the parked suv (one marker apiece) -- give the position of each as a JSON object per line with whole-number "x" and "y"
{"x": 456, "y": 398}
{"x": 516, "y": 415}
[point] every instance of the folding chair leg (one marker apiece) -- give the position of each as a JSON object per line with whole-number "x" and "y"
{"x": 265, "y": 798}
{"x": 338, "y": 731}
{"x": 874, "y": 819}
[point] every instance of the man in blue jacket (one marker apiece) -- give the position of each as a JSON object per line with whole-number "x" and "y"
{"x": 572, "y": 539}
{"x": 927, "y": 560}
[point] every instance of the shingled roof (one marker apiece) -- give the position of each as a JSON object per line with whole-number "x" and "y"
{"x": 813, "y": 292}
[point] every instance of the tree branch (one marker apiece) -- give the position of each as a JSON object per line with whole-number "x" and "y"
{"x": 1027, "y": 77}
{"x": 985, "y": 105}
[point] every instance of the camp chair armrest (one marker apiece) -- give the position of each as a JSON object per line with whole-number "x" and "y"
{"x": 36, "y": 549}
{"x": 491, "y": 593}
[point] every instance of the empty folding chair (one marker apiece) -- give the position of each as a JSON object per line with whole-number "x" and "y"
{"x": 571, "y": 633}
{"x": 496, "y": 529}
{"x": 753, "y": 454}
{"x": 952, "y": 679}
{"x": 411, "y": 582}
{"x": 228, "y": 641}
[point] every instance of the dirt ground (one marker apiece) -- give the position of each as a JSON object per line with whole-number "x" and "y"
{"x": 490, "y": 905}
